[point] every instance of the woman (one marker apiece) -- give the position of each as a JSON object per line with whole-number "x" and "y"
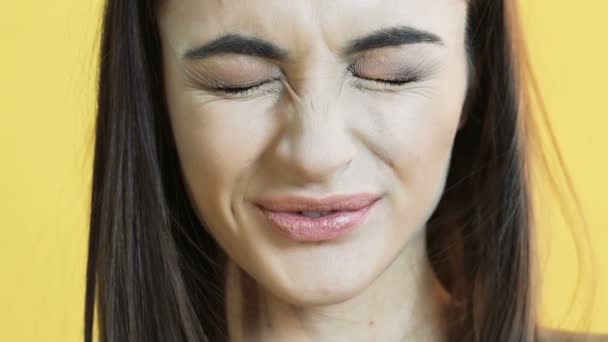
{"x": 312, "y": 171}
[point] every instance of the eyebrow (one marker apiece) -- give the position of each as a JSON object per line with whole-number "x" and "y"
{"x": 254, "y": 46}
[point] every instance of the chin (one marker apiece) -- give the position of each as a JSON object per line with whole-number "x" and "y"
{"x": 324, "y": 292}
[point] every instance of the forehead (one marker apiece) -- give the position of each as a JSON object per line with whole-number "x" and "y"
{"x": 301, "y": 26}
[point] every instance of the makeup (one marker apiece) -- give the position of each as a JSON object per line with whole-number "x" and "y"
{"x": 317, "y": 225}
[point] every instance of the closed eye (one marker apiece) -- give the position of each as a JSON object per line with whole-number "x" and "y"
{"x": 397, "y": 82}
{"x": 240, "y": 91}
{"x": 243, "y": 90}
{"x": 413, "y": 77}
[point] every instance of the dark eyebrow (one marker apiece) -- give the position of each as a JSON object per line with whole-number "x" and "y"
{"x": 253, "y": 46}
{"x": 239, "y": 44}
{"x": 392, "y": 36}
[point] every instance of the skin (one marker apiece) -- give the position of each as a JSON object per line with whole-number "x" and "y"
{"x": 319, "y": 130}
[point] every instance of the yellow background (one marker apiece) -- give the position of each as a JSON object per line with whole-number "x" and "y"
{"x": 46, "y": 106}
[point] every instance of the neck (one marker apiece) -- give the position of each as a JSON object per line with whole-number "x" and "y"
{"x": 403, "y": 304}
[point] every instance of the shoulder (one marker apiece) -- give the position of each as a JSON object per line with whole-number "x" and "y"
{"x": 546, "y": 334}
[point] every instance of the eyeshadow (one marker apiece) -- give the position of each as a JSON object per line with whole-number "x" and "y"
{"x": 395, "y": 62}
{"x": 233, "y": 69}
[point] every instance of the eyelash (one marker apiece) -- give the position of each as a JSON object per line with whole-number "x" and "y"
{"x": 395, "y": 83}
{"x": 240, "y": 91}
{"x": 392, "y": 83}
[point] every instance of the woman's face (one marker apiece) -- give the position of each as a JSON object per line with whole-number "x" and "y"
{"x": 319, "y": 124}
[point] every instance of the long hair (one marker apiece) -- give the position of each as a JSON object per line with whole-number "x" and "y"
{"x": 154, "y": 273}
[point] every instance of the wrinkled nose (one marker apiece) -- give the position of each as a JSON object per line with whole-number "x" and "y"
{"x": 315, "y": 142}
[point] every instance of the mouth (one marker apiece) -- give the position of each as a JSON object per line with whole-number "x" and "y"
{"x": 315, "y": 214}
{"x": 317, "y": 220}
{"x": 322, "y": 206}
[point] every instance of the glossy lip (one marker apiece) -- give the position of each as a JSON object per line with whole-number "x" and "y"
{"x": 352, "y": 211}
{"x": 335, "y": 202}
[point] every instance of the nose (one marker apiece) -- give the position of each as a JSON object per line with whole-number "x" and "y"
{"x": 315, "y": 144}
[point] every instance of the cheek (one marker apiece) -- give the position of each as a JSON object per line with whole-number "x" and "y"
{"x": 430, "y": 135}
{"x": 416, "y": 134}
{"x": 218, "y": 145}
{"x": 425, "y": 142}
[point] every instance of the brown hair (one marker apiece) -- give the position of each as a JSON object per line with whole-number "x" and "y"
{"x": 159, "y": 274}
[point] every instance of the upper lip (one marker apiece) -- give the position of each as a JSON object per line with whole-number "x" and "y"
{"x": 331, "y": 203}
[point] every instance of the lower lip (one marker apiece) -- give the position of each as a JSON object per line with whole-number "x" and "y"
{"x": 303, "y": 228}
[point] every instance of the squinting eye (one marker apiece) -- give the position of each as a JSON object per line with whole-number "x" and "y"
{"x": 390, "y": 82}
{"x": 239, "y": 91}
{"x": 398, "y": 82}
